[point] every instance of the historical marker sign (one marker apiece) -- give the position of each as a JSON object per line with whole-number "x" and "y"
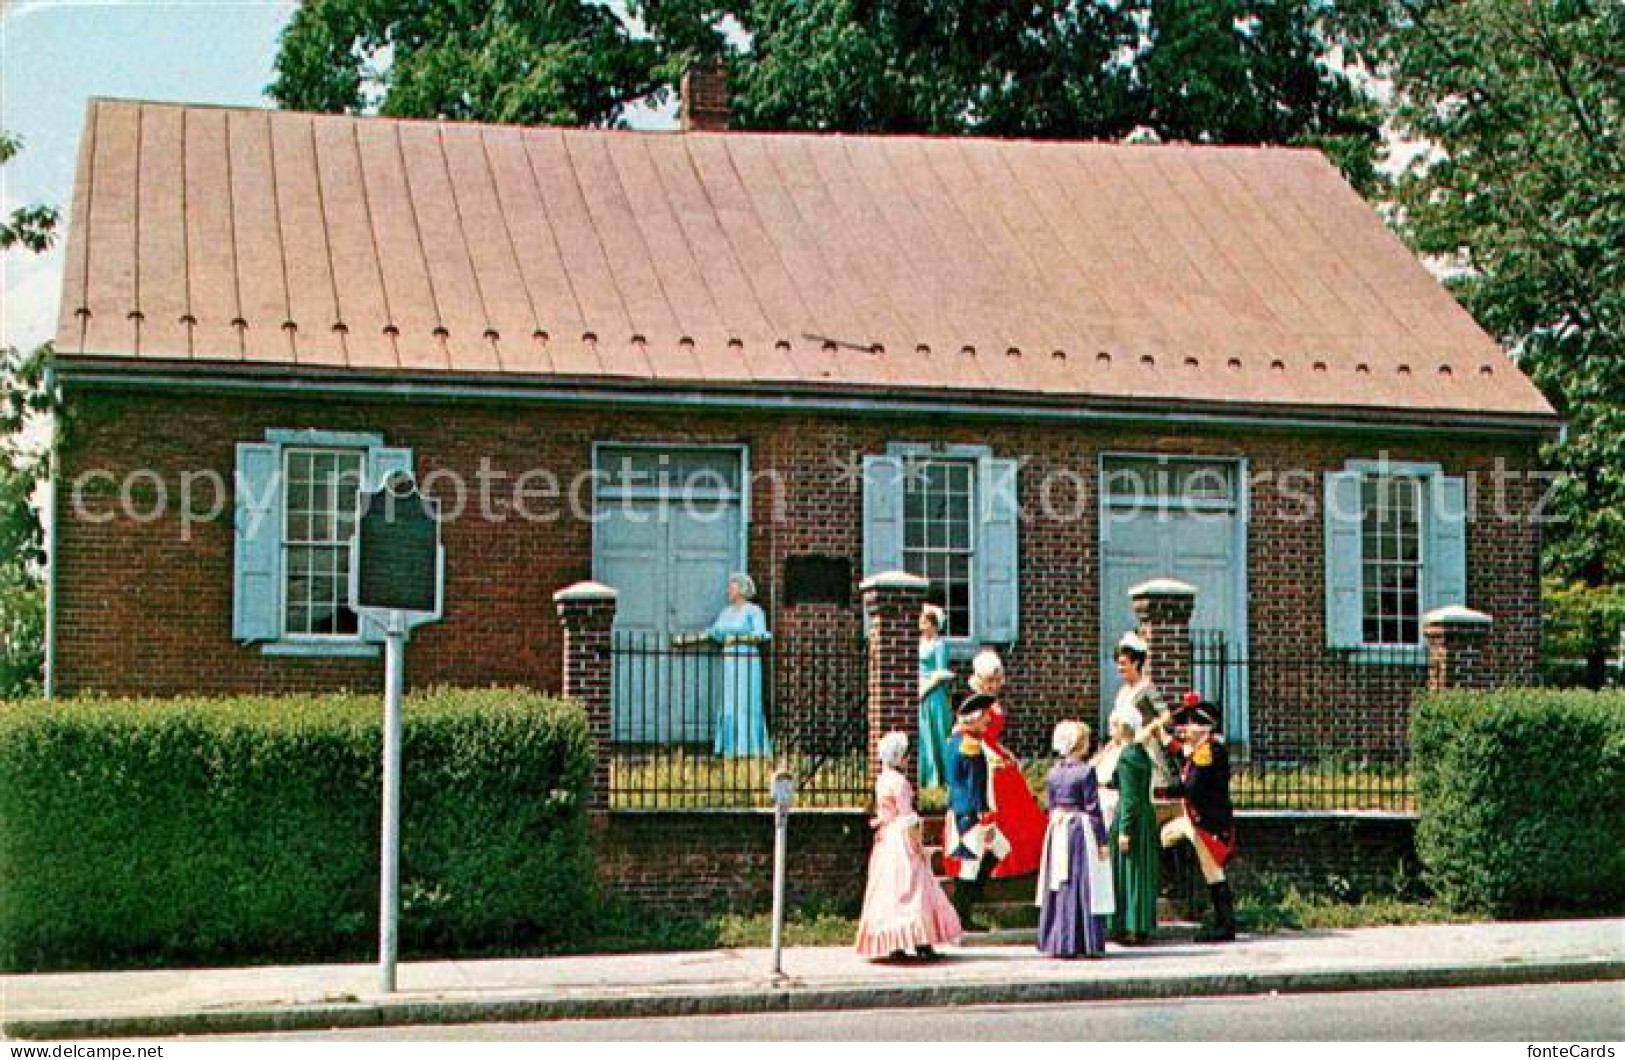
{"x": 397, "y": 580}
{"x": 398, "y": 565}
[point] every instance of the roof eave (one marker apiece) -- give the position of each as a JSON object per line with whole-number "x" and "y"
{"x": 118, "y": 372}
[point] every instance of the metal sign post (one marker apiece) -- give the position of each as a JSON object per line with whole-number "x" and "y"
{"x": 784, "y": 792}
{"x": 397, "y": 581}
{"x": 389, "y": 876}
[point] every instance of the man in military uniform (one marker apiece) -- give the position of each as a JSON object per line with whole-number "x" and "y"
{"x": 1208, "y": 822}
{"x": 971, "y": 842}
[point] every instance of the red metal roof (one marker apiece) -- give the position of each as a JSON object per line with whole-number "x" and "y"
{"x": 225, "y": 236}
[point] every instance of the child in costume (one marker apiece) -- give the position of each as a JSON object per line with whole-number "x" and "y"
{"x": 1075, "y": 872}
{"x": 904, "y": 908}
{"x": 971, "y": 841}
{"x": 1208, "y": 822}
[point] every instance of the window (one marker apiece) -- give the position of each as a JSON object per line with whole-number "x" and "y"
{"x": 294, "y": 497}
{"x": 1396, "y": 548}
{"x": 950, "y": 514}
{"x": 1391, "y": 559}
{"x": 319, "y": 499}
{"x": 939, "y": 544}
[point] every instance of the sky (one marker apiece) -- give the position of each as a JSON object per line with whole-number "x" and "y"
{"x": 57, "y": 54}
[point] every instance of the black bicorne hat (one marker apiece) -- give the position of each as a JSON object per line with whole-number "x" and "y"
{"x": 975, "y": 704}
{"x": 1198, "y": 711}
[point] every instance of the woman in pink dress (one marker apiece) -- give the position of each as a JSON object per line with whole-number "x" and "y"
{"x": 904, "y": 908}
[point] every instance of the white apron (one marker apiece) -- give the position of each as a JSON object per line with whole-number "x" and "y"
{"x": 1055, "y": 867}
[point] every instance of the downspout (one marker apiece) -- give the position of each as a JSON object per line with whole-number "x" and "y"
{"x": 52, "y": 479}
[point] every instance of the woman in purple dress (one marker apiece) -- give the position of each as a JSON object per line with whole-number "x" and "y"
{"x": 1075, "y": 873}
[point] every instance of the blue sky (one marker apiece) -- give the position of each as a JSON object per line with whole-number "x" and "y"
{"x": 56, "y": 54}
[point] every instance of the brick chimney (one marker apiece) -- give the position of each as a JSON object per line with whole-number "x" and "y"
{"x": 704, "y": 98}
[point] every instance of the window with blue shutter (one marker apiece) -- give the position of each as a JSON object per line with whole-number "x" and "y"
{"x": 949, "y": 515}
{"x": 295, "y": 519}
{"x": 1396, "y": 548}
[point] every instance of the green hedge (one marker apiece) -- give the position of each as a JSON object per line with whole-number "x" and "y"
{"x": 1522, "y": 792}
{"x": 203, "y": 830}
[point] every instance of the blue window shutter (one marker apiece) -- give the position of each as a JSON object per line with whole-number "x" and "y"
{"x": 1446, "y": 556}
{"x": 998, "y": 603}
{"x": 1344, "y": 609}
{"x": 382, "y": 462}
{"x": 882, "y": 514}
{"x": 257, "y": 553}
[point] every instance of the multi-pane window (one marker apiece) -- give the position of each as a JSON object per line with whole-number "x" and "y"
{"x": 319, "y": 499}
{"x": 939, "y": 540}
{"x": 1391, "y": 558}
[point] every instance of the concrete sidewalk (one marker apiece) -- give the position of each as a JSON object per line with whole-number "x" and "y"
{"x": 133, "y": 1004}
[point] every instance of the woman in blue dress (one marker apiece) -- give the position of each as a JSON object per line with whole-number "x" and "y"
{"x": 936, "y": 714}
{"x": 739, "y": 628}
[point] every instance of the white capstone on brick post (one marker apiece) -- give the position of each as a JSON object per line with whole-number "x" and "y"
{"x": 587, "y": 612}
{"x": 1164, "y": 607}
{"x": 1456, "y": 636}
{"x": 892, "y": 603}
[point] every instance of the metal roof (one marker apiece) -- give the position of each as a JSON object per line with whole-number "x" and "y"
{"x": 221, "y": 237}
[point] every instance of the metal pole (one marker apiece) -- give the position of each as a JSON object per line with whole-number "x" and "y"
{"x": 781, "y": 832}
{"x": 390, "y": 876}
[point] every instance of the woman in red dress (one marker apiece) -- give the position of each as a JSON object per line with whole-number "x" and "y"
{"x": 1015, "y": 810}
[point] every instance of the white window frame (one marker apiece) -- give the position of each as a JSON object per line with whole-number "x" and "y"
{"x": 1420, "y": 492}
{"x": 961, "y": 643}
{"x": 973, "y": 531}
{"x": 284, "y": 545}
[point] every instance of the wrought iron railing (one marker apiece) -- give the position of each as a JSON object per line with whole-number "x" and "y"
{"x": 703, "y": 725}
{"x": 1314, "y": 730}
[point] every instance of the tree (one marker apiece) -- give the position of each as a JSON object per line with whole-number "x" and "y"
{"x": 534, "y": 62}
{"x": 23, "y": 396}
{"x": 1222, "y": 71}
{"x": 1525, "y": 192}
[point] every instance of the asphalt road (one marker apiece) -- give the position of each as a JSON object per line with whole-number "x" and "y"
{"x": 1562, "y": 1013}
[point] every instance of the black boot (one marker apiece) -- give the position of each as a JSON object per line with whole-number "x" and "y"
{"x": 1223, "y": 928}
{"x": 966, "y": 893}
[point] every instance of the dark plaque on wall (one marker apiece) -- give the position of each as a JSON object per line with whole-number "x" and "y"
{"x": 398, "y": 539}
{"x": 817, "y": 580}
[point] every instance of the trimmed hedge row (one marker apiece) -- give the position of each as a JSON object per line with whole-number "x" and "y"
{"x": 247, "y": 829}
{"x": 1522, "y": 792}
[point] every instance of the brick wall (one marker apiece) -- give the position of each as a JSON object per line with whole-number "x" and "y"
{"x": 685, "y": 863}
{"x": 141, "y": 610}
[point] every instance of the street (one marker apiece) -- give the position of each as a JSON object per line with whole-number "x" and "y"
{"x": 1567, "y": 1012}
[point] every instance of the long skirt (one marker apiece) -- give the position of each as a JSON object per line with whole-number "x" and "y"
{"x": 1136, "y": 874}
{"x": 904, "y": 907}
{"x": 1072, "y": 913}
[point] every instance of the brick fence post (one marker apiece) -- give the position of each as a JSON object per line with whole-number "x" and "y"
{"x": 1456, "y": 637}
{"x": 587, "y": 611}
{"x": 892, "y": 603}
{"x": 1164, "y": 608}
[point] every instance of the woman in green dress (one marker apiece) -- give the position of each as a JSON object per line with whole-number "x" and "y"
{"x": 1135, "y": 849}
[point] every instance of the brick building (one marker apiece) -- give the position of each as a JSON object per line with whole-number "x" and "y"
{"x": 1035, "y": 373}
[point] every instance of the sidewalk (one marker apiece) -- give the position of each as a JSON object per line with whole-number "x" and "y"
{"x": 132, "y": 1004}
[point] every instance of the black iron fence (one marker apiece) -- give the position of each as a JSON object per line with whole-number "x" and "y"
{"x": 700, "y": 725}
{"x": 1325, "y": 730}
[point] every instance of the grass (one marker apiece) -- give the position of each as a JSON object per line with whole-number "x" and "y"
{"x": 680, "y": 778}
{"x": 1267, "y": 905}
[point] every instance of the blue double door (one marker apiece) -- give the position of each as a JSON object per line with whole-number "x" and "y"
{"x": 668, "y": 531}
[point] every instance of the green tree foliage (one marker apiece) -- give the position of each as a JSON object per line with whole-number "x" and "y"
{"x": 1583, "y": 622}
{"x": 1526, "y": 191}
{"x": 23, "y": 397}
{"x": 1223, "y": 71}
{"x": 559, "y": 62}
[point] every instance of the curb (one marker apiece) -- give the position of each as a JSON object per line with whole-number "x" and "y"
{"x": 392, "y": 1012}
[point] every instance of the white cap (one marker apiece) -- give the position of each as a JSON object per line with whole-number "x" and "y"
{"x": 893, "y": 746}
